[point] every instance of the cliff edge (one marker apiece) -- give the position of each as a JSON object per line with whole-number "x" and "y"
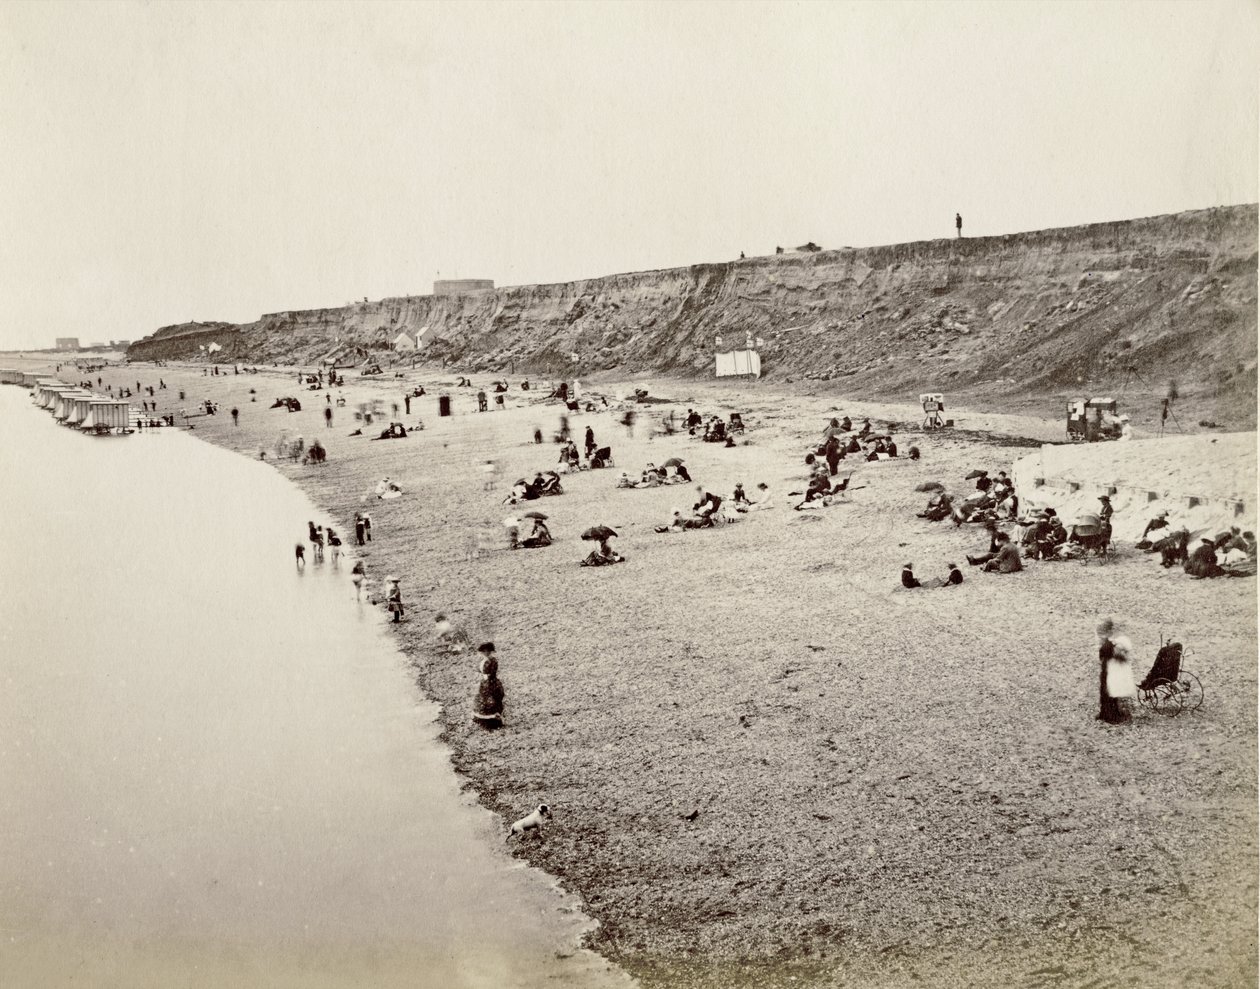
{"x": 1174, "y": 295}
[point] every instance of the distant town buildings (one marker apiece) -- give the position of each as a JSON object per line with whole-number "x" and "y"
{"x": 67, "y": 343}
{"x": 462, "y": 286}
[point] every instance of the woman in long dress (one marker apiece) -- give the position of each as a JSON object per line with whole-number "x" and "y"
{"x": 1115, "y": 674}
{"x": 488, "y": 706}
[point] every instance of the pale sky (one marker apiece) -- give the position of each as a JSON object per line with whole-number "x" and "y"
{"x": 167, "y": 162}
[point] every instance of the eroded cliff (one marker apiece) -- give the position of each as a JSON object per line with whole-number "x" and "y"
{"x": 1174, "y": 294}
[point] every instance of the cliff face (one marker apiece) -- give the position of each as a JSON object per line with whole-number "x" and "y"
{"x": 1175, "y": 295}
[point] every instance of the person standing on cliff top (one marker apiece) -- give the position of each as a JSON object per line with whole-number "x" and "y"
{"x": 958, "y": 223}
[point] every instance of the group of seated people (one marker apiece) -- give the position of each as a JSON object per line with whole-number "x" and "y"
{"x": 1043, "y": 535}
{"x": 715, "y": 430}
{"x": 655, "y": 477}
{"x": 1231, "y": 553}
{"x": 703, "y": 513}
{"x": 596, "y": 458}
{"x": 545, "y": 483}
{"x": 821, "y": 491}
{"x": 952, "y": 579}
{"x": 385, "y": 488}
{"x": 993, "y": 498}
{"x": 292, "y": 404}
{"x": 395, "y": 431}
{"x": 708, "y": 509}
{"x": 316, "y": 454}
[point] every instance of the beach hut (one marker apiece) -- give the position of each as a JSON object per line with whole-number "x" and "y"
{"x": 10, "y": 376}
{"x": 82, "y": 404}
{"x": 48, "y": 395}
{"x": 66, "y": 403}
{"x": 404, "y": 342}
{"x": 107, "y": 415}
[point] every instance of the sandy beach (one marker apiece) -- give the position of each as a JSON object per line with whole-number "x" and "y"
{"x": 766, "y": 760}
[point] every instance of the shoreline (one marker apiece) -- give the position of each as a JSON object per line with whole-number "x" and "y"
{"x": 632, "y": 761}
{"x": 355, "y": 696}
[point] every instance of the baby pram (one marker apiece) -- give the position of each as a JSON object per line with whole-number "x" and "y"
{"x": 1170, "y": 688}
{"x": 602, "y": 458}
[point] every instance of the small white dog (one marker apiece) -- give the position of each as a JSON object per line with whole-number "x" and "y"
{"x": 530, "y": 822}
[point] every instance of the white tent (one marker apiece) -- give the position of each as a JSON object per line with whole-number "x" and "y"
{"x": 736, "y": 362}
{"x": 404, "y": 342}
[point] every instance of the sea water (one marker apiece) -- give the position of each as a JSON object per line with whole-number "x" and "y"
{"x": 215, "y": 769}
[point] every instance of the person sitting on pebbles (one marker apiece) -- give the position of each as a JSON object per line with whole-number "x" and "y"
{"x": 624, "y": 480}
{"x": 1007, "y": 558}
{"x": 488, "y": 706}
{"x": 763, "y": 501}
{"x": 450, "y": 639}
{"x": 953, "y": 578}
{"x": 678, "y": 522}
{"x": 538, "y": 537}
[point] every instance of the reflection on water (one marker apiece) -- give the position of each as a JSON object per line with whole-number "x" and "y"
{"x": 216, "y": 771}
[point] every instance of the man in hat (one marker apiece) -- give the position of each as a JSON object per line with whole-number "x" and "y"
{"x": 1160, "y": 521}
{"x": 995, "y": 544}
{"x": 1007, "y": 558}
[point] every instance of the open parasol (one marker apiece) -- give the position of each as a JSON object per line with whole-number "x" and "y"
{"x": 976, "y": 473}
{"x": 598, "y": 533}
{"x": 673, "y": 462}
{"x": 535, "y": 515}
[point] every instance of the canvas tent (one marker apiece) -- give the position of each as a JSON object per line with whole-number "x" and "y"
{"x": 404, "y": 342}
{"x": 736, "y": 362}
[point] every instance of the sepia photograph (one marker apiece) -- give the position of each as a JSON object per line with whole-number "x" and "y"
{"x": 707, "y": 495}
